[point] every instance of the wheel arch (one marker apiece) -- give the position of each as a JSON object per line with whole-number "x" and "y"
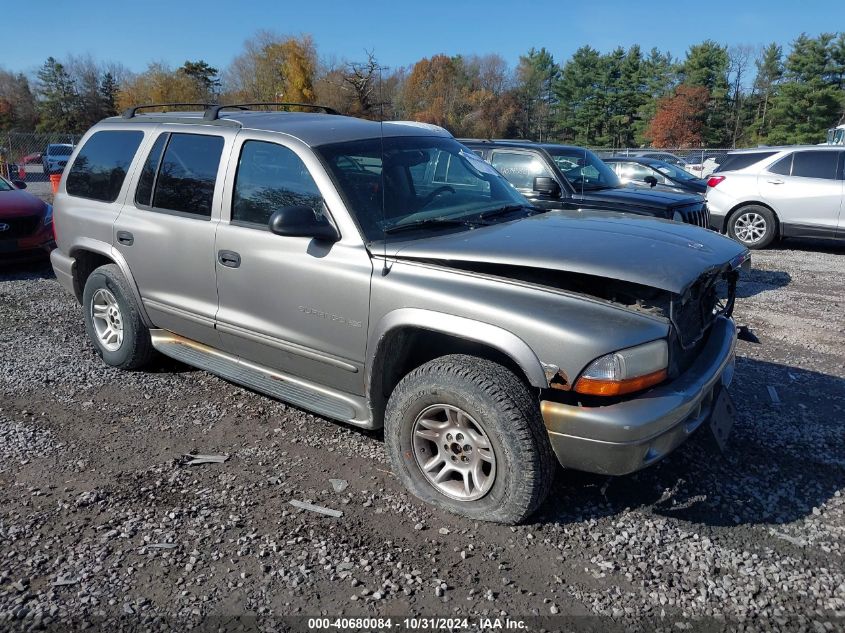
{"x": 88, "y": 255}
{"x": 410, "y": 337}
{"x": 751, "y": 203}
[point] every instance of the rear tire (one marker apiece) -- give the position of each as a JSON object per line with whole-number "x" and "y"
{"x": 478, "y": 420}
{"x": 753, "y": 226}
{"x": 113, "y": 321}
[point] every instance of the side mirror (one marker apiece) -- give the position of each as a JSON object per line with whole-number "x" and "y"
{"x": 20, "y": 184}
{"x": 547, "y": 186}
{"x": 650, "y": 180}
{"x": 300, "y": 221}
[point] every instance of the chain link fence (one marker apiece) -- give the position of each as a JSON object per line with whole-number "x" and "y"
{"x": 23, "y": 154}
{"x": 700, "y": 162}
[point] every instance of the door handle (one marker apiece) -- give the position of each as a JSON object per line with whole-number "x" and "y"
{"x": 126, "y": 238}
{"x": 230, "y": 259}
{"x": 776, "y": 182}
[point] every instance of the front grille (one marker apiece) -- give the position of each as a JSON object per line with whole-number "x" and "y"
{"x": 19, "y": 227}
{"x": 696, "y": 214}
{"x": 709, "y": 297}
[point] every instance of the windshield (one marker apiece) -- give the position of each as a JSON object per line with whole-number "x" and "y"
{"x": 5, "y": 186}
{"x": 583, "y": 169}
{"x": 839, "y": 136}
{"x": 60, "y": 150}
{"x": 425, "y": 179}
{"x": 675, "y": 173}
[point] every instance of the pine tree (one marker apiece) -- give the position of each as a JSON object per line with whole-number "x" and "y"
{"x": 707, "y": 65}
{"x": 108, "y": 94}
{"x": 536, "y": 75}
{"x": 810, "y": 99}
{"x": 205, "y": 77}
{"x": 58, "y": 105}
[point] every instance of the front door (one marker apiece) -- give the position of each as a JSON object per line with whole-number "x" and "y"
{"x": 293, "y": 304}
{"x": 166, "y": 230}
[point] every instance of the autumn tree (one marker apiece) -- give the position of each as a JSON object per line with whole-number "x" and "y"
{"x": 707, "y": 66}
{"x": 680, "y": 118}
{"x": 273, "y": 68}
{"x": 433, "y": 91}
{"x": 17, "y": 102}
{"x": 159, "y": 84}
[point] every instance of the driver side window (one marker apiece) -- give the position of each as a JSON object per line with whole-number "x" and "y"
{"x": 271, "y": 177}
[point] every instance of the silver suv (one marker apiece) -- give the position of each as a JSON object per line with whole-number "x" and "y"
{"x": 759, "y": 195}
{"x": 385, "y": 276}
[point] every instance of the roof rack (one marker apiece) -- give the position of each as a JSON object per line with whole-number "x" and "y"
{"x": 212, "y": 112}
{"x": 128, "y": 113}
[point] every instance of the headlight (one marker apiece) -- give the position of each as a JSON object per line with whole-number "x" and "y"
{"x": 677, "y": 216}
{"x": 48, "y": 217}
{"x": 625, "y": 371}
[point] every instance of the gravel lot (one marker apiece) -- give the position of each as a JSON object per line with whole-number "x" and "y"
{"x": 101, "y": 517}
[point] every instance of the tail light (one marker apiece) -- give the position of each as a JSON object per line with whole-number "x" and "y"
{"x": 714, "y": 180}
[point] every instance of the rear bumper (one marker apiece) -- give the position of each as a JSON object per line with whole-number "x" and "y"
{"x": 622, "y": 438}
{"x": 63, "y": 268}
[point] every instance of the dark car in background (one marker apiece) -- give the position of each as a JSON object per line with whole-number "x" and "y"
{"x": 26, "y": 224}
{"x": 656, "y": 174}
{"x": 570, "y": 177}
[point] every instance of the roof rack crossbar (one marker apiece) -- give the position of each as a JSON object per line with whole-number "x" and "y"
{"x": 212, "y": 112}
{"x": 128, "y": 113}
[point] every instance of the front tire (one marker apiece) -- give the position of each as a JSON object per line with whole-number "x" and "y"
{"x": 753, "y": 226}
{"x": 465, "y": 434}
{"x": 113, "y": 321}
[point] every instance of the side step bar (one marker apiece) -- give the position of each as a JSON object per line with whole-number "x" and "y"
{"x": 296, "y": 391}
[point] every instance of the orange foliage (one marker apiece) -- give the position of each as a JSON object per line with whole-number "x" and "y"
{"x": 680, "y": 118}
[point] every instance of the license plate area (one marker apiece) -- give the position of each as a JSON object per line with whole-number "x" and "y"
{"x": 722, "y": 419}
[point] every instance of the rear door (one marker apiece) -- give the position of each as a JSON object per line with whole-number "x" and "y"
{"x": 805, "y": 191}
{"x": 167, "y": 226}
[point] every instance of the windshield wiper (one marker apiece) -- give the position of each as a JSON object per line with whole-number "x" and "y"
{"x": 508, "y": 208}
{"x": 432, "y": 222}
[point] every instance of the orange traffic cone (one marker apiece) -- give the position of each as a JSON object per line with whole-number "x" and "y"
{"x": 55, "y": 179}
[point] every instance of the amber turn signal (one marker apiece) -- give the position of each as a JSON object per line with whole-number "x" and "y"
{"x": 599, "y": 387}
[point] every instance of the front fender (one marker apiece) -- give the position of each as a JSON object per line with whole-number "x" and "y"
{"x": 502, "y": 340}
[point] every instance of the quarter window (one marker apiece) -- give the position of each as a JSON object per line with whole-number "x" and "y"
{"x": 271, "y": 177}
{"x": 519, "y": 169}
{"x": 815, "y": 164}
{"x": 782, "y": 167}
{"x": 100, "y": 167}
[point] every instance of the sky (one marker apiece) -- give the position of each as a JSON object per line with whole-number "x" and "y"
{"x": 399, "y": 32}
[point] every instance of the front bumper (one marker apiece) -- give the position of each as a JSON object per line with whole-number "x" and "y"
{"x": 622, "y": 438}
{"x": 30, "y": 248}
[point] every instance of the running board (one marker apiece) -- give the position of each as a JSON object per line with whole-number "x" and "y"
{"x": 296, "y": 391}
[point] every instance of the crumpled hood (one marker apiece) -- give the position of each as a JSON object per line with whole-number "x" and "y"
{"x": 641, "y": 250}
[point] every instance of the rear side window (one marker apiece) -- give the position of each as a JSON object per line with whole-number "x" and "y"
{"x": 815, "y": 164}
{"x": 269, "y": 178}
{"x": 741, "y": 161}
{"x": 100, "y": 167}
{"x": 783, "y": 166}
{"x": 182, "y": 180}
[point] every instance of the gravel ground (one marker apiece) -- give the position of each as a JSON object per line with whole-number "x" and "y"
{"x": 102, "y": 518}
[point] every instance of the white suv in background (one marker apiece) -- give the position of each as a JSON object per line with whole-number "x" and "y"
{"x": 767, "y": 193}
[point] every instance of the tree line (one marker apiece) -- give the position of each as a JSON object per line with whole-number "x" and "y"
{"x": 716, "y": 95}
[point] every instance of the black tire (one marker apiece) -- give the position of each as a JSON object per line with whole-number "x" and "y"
{"x": 509, "y": 415}
{"x": 136, "y": 349}
{"x": 740, "y": 219}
